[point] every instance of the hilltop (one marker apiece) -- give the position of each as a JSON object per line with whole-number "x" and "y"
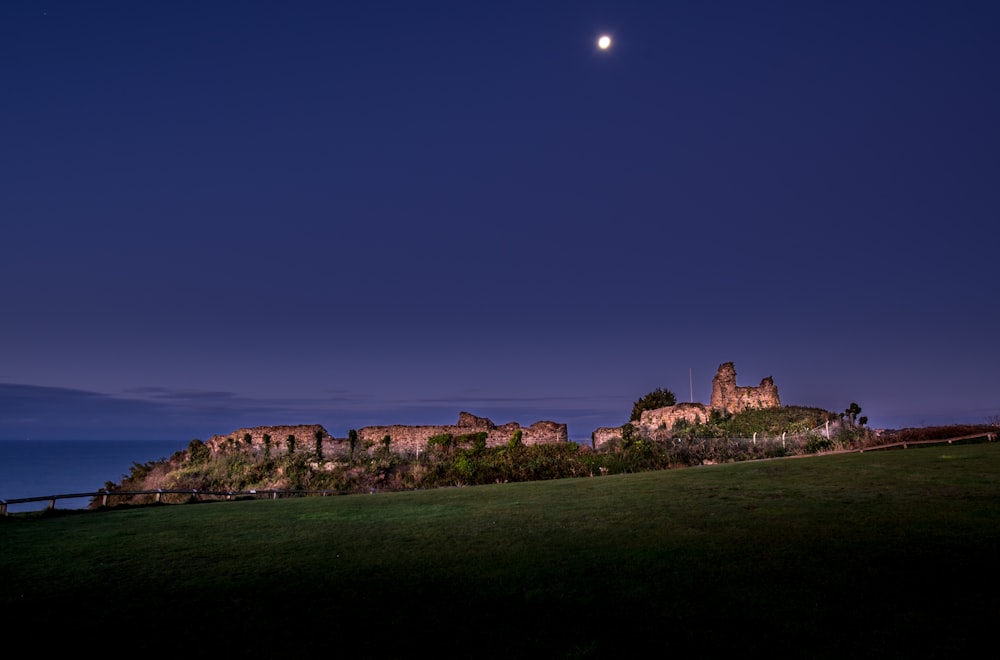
{"x": 740, "y": 423}
{"x": 307, "y": 457}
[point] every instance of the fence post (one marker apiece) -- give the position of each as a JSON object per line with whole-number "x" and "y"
{"x": 3, "y": 508}
{"x": 52, "y": 504}
{"x": 104, "y": 499}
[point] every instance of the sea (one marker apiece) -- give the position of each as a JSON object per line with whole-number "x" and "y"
{"x": 40, "y": 468}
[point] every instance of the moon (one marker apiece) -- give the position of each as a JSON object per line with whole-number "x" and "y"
{"x": 604, "y": 42}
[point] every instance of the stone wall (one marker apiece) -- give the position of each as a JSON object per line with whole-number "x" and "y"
{"x": 600, "y": 437}
{"x": 402, "y": 439}
{"x": 665, "y": 418}
{"x": 305, "y": 438}
{"x": 411, "y": 439}
{"x": 654, "y": 423}
{"x": 730, "y": 398}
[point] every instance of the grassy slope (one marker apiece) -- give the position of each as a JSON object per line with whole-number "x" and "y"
{"x": 882, "y": 554}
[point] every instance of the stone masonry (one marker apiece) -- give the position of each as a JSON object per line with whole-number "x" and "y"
{"x": 727, "y": 397}
{"x": 305, "y": 438}
{"x": 411, "y": 439}
{"x": 402, "y": 439}
{"x": 730, "y": 398}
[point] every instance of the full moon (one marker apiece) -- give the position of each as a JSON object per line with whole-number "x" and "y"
{"x": 604, "y": 42}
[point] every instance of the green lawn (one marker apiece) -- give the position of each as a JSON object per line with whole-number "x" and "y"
{"x": 881, "y": 554}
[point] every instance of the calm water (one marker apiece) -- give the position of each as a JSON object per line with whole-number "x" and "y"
{"x": 35, "y": 468}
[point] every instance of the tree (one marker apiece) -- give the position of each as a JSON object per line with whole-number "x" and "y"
{"x": 853, "y": 411}
{"x": 318, "y": 434}
{"x": 267, "y": 445}
{"x": 515, "y": 440}
{"x": 658, "y": 398}
{"x": 629, "y": 435}
{"x": 352, "y": 438}
{"x": 291, "y": 444}
{"x": 247, "y": 439}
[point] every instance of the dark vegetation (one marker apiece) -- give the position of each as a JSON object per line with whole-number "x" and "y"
{"x": 344, "y": 467}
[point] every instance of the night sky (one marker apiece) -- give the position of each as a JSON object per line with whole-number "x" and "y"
{"x": 222, "y": 214}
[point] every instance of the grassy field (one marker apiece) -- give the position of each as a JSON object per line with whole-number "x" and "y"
{"x": 882, "y": 554}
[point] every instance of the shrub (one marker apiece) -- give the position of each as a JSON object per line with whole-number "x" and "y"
{"x": 198, "y": 452}
{"x": 817, "y": 443}
{"x": 630, "y": 434}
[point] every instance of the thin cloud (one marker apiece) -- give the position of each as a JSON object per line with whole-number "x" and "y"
{"x": 181, "y": 395}
{"x": 164, "y": 413}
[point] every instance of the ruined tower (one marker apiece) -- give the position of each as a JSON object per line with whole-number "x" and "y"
{"x": 731, "y": 398}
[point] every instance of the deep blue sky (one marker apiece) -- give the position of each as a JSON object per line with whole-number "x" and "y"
{"x": 218, "y": 214}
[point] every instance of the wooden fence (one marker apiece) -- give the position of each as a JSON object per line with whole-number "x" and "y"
{"x": 990, "y": 437}
{"x": 198, "y": 495}
{"x": 274, "y": 494}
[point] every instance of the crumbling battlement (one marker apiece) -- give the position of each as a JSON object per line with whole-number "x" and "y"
{"x": 665, "y": 418}
{"x": 650, "y": 421}
{"x": 730, "y": 398}
{"x": 305, "y": 436}
{"x": 411, "y": 439}
{"x": 402, "y": 439}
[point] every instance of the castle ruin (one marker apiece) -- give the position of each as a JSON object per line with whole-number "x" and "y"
{"x": 275, "y": 438}
{"x": 727, "y": 398}
{"x": 412, "y": 439}
{"x": 402, "y": 439}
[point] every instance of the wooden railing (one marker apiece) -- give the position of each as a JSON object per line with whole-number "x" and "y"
{"x": 107, "y": 495}
{"x": 990, "y": 437}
